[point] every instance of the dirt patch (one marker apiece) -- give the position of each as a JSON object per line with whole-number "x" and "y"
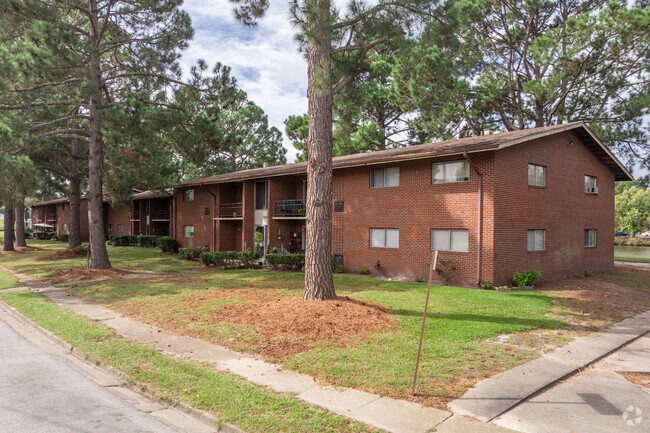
{"x": 20, "y": 250}
{"x": 60, "y": 255}
{"x": 291, "y": 325}
{"x": 87, "y": 275}
{"x": 641, "y": 379}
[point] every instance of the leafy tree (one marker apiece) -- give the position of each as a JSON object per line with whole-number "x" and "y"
{"x": 223, "y": 131}
{"x": 336, "y": 47}
{"x": 508, "y": 65}
{"x": 97, "y": 61}
{"x": 632, "y": 207}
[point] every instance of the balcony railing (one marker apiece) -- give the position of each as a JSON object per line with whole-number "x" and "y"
{"x": 160, "y": 215}
{"x": 289, "y": 209}
{"x": 135, "y": 215}
{"x": 230, "y": 211}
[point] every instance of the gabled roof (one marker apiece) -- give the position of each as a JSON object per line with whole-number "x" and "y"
{"x": 450, "y": 147}
{"x": 55, "y": 201}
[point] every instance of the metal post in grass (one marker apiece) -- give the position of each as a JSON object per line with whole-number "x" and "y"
{"x": 434, "y": 261}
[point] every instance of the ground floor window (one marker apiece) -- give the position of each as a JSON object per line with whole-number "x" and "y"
{"x": 120, "y": 228}
{"x": 450, "y": 240}
{"x": 110, "y": 227}
{"x": 188, "y": 231}
{"x": 384, "y": 238}
{"x": 536, "y": 240}
{"x": 590, "y": 238}
{"x": 64, "y": 227}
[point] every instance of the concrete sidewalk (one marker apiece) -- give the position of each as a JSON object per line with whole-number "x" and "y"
{"x": 498, "y": 394}
{"x": 388, "y": 414}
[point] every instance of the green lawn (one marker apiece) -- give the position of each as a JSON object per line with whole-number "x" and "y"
{"x": 7, "y": 280}
{"x": 131, "y": 258}
{"x": 455, "y": 352}
{"x": 633, "y": 259}
{"x": 232, "y": 399}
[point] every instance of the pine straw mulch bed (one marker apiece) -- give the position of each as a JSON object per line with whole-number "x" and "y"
{"x": 83, "y": 274}
{"x": 60, "y": 255}
{"x": 641, "y": 379}
{"x": 20, "y": 250}
{"x": 286, "y": 324}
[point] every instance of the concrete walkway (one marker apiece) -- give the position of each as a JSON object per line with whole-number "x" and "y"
{"x": 495, "y": 396}
{"x": 388, "y": 414}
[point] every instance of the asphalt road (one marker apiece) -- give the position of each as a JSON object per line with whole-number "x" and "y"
{"x": 45, "y": 392}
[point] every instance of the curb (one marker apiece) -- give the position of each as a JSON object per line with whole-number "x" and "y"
{"x": 196, "y": 414}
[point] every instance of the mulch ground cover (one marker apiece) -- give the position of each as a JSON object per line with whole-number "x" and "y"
{"x": 87, "y": 275}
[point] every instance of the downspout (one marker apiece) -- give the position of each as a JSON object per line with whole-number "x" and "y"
{"x": 214, "y": 210}
{"x": 479, "y": 229}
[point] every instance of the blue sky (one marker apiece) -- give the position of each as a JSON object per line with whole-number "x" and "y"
{"x": 265, "y": 59}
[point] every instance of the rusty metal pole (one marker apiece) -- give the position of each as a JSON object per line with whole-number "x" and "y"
{"x": 434, "y": 261}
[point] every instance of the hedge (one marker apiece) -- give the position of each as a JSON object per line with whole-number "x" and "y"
{"x": 191, "y": 253}
{"x": 147, "y": 241}
{"x": 43, "y": 235}
{"x": 245, "y": 259}
{"x": 290, "y": 262}
{"x": 63, "y": 237}
{"x": 167, "y": 243}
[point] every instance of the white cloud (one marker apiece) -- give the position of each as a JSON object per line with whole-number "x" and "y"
{"x": 265, "y": 59}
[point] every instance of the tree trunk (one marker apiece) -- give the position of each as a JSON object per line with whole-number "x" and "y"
{"x": 319, "y": 284}
{"x": 98, "y": 252}
{"x": 75, "y": 211}
{"x": 9, "y": 228}
{"x": 20, "y": 223}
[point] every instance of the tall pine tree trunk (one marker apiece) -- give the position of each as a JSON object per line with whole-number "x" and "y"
{"x": 319, "y": 284}
{"x": 75, "y": 211}
{"x": 98, "y": 252}
{"x": 9, "y": 228}
{"x": 20, "y": 223}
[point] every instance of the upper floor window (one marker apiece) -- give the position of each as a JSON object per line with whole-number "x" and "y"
{"x": 206, "y": 211}
{"x": 536, "y": 175}
{"x": 450, "y": 240}
{"x": 260, "y": 195}
{"x": 384, "y": 238}
{"x": 64, "y": 206}
{"x": 384, "y": 177}
{"x": 536, "y": 240}
{"x": 188, "y": 195}
{"x": 339, "y": 206}
{"x": 591, "y": 185}
{"x": 590, "y": 238}
{"x": 453, "y": 171}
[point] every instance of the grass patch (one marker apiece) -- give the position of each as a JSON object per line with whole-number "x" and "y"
{"x": 132, "y": 258}
{"x": 232, "y": 399}
{"x": 633, "y": 259}
{"x": 626, "y": 276}
{"x": 7, "y": 280}
{"x": 456, "y": 352}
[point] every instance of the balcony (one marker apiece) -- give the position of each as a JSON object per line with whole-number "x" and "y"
{"x": 160, "y": 215}
{"x": 230, "y": 211}
{"x": 289, "y": 209}
{"x": 51, "y": 216}
{"x": 134, "y": 216}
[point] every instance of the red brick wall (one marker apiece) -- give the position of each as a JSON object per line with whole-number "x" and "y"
{"x": 415, "y": 207}
{"x": 118, "y": 216}
{"x": 562, "y": 208}
{"x": 64, "y": 216}
{"x": 193, "y": 213}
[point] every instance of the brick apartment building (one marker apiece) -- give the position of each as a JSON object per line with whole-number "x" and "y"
{"x": 493, "y": 205}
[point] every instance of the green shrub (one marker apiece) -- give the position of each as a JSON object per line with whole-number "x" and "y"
{"x": 248, "y": 258}
{"x": 419, "y": 278}
{"x": 486, "y": 284}
{"x": 167, "y": 243}
{"x": 526, "y": 278}
{"x": 111, "y": 239}
{"x": 363, "y": 271}
{"x": 147, "y": 241}
{"x": 337, "y": 269}
{"x": 63, "y": 237}
{"x": 446, "y": 269}
{"x": 289, "y": 262}
{"x": 80, "y": 249}
{"x": 245, "y": 259}
{"x": 191, "y": 253}
{"x": 46, "y": 236}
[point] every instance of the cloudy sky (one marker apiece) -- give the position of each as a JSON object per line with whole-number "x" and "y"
{"x": 265, "y": 60}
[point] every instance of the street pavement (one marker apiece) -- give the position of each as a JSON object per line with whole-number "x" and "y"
{"x": 598, "y": 400}
{"x": 45, "y": 391}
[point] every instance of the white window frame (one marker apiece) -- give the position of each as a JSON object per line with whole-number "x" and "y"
{"x": 120, "y": 228}
{"x": 444, "y": 171}
{"x": 188, "y": 194}
{"x": 535, "y": 167}
{"x": 385, "y": 230}
{"x": 383, "y": 171}
{"x": 64, "y": 227}
{"x": 588, "y": 238}
{"x": 184, "y": 231}
{"x": 535, "y": 240}
{"x": 591, "y": 187}
{"x": 450, "y": 232}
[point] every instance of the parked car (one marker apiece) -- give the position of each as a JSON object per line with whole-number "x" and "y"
{"x": 621, "y": 234}
{"x": 645, "y": 234}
